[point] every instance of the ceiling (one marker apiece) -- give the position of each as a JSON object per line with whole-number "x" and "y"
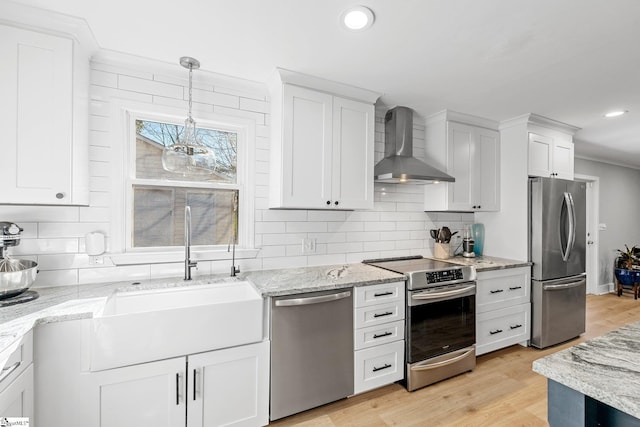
{"x": 569, "y": 60}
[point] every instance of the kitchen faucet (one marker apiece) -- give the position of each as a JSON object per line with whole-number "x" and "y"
{"x": 188, "y": 264}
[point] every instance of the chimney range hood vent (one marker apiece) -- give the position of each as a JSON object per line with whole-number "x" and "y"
{"x": 399, "y": 166}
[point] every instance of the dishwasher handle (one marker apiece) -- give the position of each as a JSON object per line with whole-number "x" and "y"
{"x": 312, "y": 300}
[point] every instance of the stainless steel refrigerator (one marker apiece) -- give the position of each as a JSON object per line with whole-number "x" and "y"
{"x": 557, "y": 221}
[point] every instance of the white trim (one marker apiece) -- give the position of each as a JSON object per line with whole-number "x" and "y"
{"x": 123, "y": 159}
{"x": 536, "y": 119}
{"x": 593, "y": 218}
{"x": 605, "y": 288}
{"x": 600, "y": 160}
{"x": 466, "y": 119}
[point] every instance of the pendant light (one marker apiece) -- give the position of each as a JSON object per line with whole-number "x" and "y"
{"x": 188, "y": 155}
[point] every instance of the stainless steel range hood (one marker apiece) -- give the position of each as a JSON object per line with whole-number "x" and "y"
{"x": 399, "y": 165}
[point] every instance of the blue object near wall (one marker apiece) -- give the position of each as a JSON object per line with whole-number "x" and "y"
{"x": 478, "y": 238}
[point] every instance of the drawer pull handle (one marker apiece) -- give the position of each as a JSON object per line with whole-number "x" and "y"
{"x": 497, "y": 291}
{"x": 515, "y": 326}
{"x": 386, "y": 366}
{"x": 514, "y": 288}
{"x": 7, "y": 371}
{"x": 388, "y": 313}
{"x": 497, "y": 331}
{"x": 386, "y": 334}
{"x": 382, "y": 294}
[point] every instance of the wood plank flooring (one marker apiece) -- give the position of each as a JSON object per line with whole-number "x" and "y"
{"x": 501, "y": 391}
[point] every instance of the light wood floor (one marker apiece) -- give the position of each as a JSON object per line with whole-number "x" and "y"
{"x": 501, "y": 391}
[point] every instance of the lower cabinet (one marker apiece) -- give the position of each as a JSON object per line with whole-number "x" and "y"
{"x": 503, "y": 308}
{"x": 16, "y": 382}
{"x": 220, "y": 388}
{"x": 378, "y": 335}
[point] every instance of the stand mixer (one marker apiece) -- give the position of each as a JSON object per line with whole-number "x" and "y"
{"x": 467, "y": 243}
{"x": 16, "y": 275}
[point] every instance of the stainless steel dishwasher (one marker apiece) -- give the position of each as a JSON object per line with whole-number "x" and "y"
{"x": 311, "y": 350}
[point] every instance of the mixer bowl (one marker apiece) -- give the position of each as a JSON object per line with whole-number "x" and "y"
{"x": 21, "y": 275}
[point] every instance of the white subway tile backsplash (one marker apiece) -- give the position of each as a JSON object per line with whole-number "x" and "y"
{"x": 363, "y": 236}
{"x": 63, "y": 261}
{"x": 328, "y": 237}
{"x": 99, "y": 123}
{"x": 284, "y": 262}
{"x": 116, "y": 69}
{"x": 282, "y": 239}
{"x": 114, "y": 274}
{"x": 101, "y": 78}
{"x": 52, "y": 230}
{"x": 95, "y": 214}
{"x": 99, "y": 169}
{"x": 249, "y": 104}
{"x": 327, "y": 215}
{"x": 345, "y": 247}
{"x": 99, "y": 154}
{"x": 328, "y": 259}
{"x": 299, "y": 227}
{"x": 48, "y": 279}
{"x": 345, "y": 226}
{"x": 379, "y": 245}
{"x": 100, "y": 183}
{"x": 134, "y": 84}
{"x": 45, "y": 246}
{"x": 284, "y": 215}
{"x": 379, "y": 226}
{"x": 395, "y": 235}
{"x": 270, "y": 227}
{"x": 24, "y": 213}
{"x": 99, "y": 139}
{"x": 215, "y": 98}
{"x": 106, "y": 94}
{"x": 363, "y": 216}
{"x": 259, "y": 118}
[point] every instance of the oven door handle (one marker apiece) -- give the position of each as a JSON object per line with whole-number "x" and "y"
{"x": 458, "y": 355}
{"x": 439, "y": 295}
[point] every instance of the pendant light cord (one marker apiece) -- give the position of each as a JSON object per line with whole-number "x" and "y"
{"x": 190, "y": 89}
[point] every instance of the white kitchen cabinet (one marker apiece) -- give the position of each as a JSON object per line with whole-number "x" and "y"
{"x": 378, "y": 335}
{"x": 470, "y": 152}
{"x": 16, "y": 382}
{"x": 322, "y": 153}
{"x": 551, "y": 156}
{"x": 503, "y": 308}
{"x": 44, "y": 81}
{"x": 224, "y": 387}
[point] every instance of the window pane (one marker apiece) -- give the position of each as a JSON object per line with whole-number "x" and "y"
{"x": 214, "y": 216}
{"x": 152, "y": 137}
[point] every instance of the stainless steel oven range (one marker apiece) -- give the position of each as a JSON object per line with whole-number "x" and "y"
{"x": 440, "y": 325}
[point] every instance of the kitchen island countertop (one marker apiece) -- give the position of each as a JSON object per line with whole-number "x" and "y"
{"x": 606, "y": 368}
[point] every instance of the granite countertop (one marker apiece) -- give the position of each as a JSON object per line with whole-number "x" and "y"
{"x": 606, "y": 368}
{"x": 310, "y": 279}
{"x": 86, "y": 301}
{"x": 487, "y": 263}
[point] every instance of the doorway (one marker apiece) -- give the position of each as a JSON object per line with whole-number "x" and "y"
{"x": 592, "y": 234}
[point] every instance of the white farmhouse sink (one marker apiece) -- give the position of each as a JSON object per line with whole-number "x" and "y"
{"x": 143, "y": 326}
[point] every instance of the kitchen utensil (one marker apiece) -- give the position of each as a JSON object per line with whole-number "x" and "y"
{"x": 446, "y": 235}
{"x": 18, "y": 277}
{"x": 15, "y": 275}
{"x": 434, "y": 234}
{"x": 440, "y": 236}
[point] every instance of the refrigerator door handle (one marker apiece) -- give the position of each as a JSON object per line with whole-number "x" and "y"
{"x": 571, "y": 239}
{"x": 563, "y": 286}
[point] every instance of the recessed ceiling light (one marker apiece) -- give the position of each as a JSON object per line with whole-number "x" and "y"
{"x": 616, "y": 113}
{"x": 357, "y": 18}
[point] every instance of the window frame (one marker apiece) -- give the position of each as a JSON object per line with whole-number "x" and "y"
{"x": 245, "y": 130}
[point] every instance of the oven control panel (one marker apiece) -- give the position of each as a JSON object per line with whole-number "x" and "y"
{"x": 444, "y": 275}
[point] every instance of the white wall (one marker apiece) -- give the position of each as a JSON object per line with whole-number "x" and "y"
{"x": 54, "y": 236}
{"x": 619, "y": 206}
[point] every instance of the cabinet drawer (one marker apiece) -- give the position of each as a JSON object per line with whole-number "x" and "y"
{"x": 366, "y": 296}
{"x": 18, "y": 361}
{"x": 379, "y": 334}
{"x": 501, "y": 328}
{"x": 378, "y": 314}
{"x": 503, "y": 288}
{"x": 378, "y": 366}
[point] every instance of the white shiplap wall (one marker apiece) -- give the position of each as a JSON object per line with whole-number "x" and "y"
{"x": 54, "y": 236}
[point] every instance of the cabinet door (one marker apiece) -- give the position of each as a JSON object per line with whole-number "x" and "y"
{"x": 16, "y": 400}
{"x": 307, "y": 148}
{"x": 36, "y": 110}
{"x": 540, "y": 155}
{"x": 487, "y": 170}
{"x": 353, "y": 151}
{"x": 460, "y": 165}
{"x": 563, "y": 159}
{"x": 146, "y": 395}
{"x": 229, "y": 387}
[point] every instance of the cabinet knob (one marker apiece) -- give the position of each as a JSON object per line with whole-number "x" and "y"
{"x": 59, "y": 195}
{"x": 328, "y": 202}
{"x": 479, "y": 207}
{"x": 474, "y": 207}
{"x": 335, "y": 203}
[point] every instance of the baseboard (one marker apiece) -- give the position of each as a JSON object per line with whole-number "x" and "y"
{"x": 605, "y": 288}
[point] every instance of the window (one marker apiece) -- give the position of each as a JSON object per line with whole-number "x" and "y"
{"x": 158, "y": 197}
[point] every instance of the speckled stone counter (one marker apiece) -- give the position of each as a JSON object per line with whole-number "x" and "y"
{"x": 310, "y": 279}
{"x": 606, "y": 369}
{"x": 487, "y": 263}
{"x": 86, "y": 301}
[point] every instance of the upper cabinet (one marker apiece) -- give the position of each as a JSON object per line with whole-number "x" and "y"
{"x": 44, "y": 110}
{"x": 551, "y": 156}
{"x": 322, "y": 148}
{"x": 468, "y": 148}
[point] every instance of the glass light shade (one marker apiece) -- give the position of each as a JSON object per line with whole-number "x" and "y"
{"x": 188, "y": 155}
